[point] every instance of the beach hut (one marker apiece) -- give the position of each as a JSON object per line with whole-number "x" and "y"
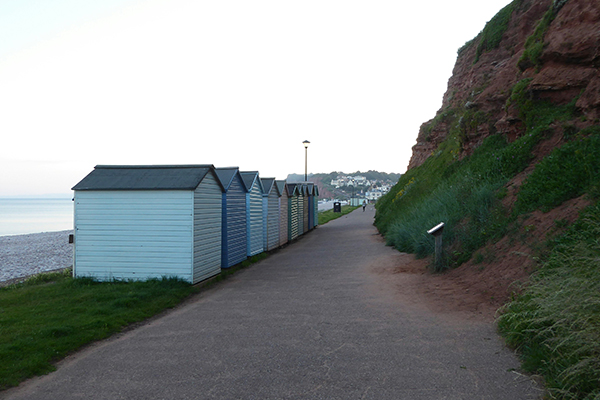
{"x": 233, "y": 237}
{"x": 300, "y": 201}
{"x": 292, "y": 191}
{"x": 142, "y": 222}
{"x": 311, "y": 205}
{"x": 270, "y": 214}
{"x": 283, "y": 212}
{"x": 254, "y": 212}
{"x": 305, "y": 209}
{"x": 315, "y": 206}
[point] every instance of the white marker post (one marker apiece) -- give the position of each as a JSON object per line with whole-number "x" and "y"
{"x": 436, "y": 231}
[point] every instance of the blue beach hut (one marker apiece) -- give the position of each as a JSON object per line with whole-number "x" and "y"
{"x": 233, "y": 237}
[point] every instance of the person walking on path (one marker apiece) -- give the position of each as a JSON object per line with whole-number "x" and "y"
{"x": 364, "y": 205}
{"x": 327, "y": 317}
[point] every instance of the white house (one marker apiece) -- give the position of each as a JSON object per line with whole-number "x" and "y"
{"x": 373, "y": 194}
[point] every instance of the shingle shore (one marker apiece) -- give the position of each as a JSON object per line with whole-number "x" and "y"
{"x": 24, "y": 255}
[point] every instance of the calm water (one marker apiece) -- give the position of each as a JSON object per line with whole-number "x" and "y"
{"x": 34, "y": 215}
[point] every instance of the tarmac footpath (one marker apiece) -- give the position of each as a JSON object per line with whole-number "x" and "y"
{"x": 312, "y": 321}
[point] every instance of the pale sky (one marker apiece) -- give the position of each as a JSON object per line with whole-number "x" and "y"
{"x": 223, "y": 82}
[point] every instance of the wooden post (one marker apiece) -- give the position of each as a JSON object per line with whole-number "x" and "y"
{"x": 438, "y": 252}
{"x": 437, "y": 231}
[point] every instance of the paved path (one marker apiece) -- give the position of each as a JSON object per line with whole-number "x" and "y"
{"x": 313, "y": 321}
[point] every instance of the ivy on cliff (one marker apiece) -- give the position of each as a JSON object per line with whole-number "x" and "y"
{"x": 534, "y": 45}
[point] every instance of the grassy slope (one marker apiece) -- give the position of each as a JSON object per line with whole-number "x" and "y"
{"x": 465, "y": 194}
{"x": 555, "y": 323}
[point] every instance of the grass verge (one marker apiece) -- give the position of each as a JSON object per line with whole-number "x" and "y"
{"x": 51, "y": 315}
{"x": 326, "y": 216}
{"x": 555, "y": 323}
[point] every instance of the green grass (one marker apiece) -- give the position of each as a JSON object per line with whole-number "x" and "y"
{"x": 51, "y": 315}
{"x": 568, "y": 172}
{"x": 555, "y": 323}
{"x": 326, "y": 216}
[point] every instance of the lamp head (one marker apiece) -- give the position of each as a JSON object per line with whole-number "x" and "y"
{"x": 306, "y": 143}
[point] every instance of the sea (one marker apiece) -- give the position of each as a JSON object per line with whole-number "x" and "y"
{"x": 20, "y": 216}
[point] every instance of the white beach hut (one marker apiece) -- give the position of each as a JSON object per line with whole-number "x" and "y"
{"x": 141, "y": 222}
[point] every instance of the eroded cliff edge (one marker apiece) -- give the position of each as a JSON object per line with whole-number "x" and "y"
{"x": 551, "y": 47}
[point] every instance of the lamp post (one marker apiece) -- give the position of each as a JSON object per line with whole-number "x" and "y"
{"x": 306, "y": 143}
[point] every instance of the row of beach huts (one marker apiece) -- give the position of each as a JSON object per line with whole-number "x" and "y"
{"x": 185, "y": 221}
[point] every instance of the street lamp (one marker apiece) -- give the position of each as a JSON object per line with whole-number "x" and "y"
{"x": 306, "y": 143}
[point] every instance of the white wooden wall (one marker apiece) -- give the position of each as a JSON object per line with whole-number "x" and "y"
{"x": 133, "y": 234}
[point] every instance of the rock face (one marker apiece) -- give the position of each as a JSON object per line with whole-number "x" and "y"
{"x": 566, "y": 67}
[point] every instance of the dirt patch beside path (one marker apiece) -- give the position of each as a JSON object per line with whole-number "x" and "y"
{"x": 448, "y": 293}
{"x": 478, "y": 288}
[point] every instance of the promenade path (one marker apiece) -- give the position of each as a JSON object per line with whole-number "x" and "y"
{"x": 315, "y": 320}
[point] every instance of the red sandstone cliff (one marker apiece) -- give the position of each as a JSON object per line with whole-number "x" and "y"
{"x": 569, "y": 66}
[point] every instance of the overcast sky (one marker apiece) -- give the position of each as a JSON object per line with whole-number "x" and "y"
{"x": 227, "y": 82}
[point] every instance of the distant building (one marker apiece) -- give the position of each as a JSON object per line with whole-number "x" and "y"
{"x": 374, "y": 194}
{"x": 360, "y": 180}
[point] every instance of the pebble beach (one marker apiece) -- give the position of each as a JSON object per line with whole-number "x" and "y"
{"x": 25, "y": 255}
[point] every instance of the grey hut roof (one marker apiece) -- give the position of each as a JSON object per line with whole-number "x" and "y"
{"x": 226, "y": 175}
{"x": 280, "y": 186}
{"x": 268, "y": 184}
{"x": 293, "y": 188}
{"x": 144, "y": 177}
{"x": 302, "y": 189}
{"x": 249, "y": 178}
